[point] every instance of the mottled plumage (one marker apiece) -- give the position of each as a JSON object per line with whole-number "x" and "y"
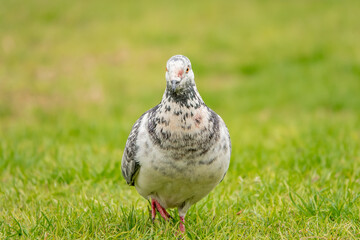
{"x": 178, "y": 151}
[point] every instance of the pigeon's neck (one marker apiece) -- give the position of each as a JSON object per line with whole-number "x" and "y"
{"x": 183, "y": 125}
{"x": 188, "y": 97}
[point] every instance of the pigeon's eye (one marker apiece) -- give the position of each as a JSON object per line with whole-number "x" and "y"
{"x": 166, "y": 69}
{"x": 187, "y": 69}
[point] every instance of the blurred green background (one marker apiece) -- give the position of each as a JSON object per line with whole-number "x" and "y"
{"x": 284, "y": 75}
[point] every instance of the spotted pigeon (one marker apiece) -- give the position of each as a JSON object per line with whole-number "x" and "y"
{"x": 178, "y": 151}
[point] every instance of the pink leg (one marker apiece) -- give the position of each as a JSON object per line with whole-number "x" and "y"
{"x": 153, "y": 210}
{"x": 155, "y": 205}
{"x": 162, "y": 211}
{"x": 182, "y": 226}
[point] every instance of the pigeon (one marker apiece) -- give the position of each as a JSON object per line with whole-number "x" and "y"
{"x": 179, "y": 150}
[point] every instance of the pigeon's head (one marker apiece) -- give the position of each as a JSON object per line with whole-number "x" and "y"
{"x": 179, "y": 74}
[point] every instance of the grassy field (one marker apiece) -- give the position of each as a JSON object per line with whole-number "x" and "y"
{"x": 284, "y": 75}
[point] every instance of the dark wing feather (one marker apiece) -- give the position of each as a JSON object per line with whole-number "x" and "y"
{"x": 129, "y": 166}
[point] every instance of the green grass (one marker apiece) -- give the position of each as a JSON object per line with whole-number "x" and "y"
{"x": 284, "y": 75}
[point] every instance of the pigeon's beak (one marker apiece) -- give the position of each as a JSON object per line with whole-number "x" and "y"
{"x": 174, "y": 84}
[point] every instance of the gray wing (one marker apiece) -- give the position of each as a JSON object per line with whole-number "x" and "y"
{"x": 129, "y": 166}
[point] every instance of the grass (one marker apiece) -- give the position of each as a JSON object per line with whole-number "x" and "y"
{"x": 284, "y": 76}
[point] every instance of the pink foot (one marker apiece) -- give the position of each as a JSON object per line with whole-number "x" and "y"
{"x": 182, "y": 226}
{"x": 155, "y": 205}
